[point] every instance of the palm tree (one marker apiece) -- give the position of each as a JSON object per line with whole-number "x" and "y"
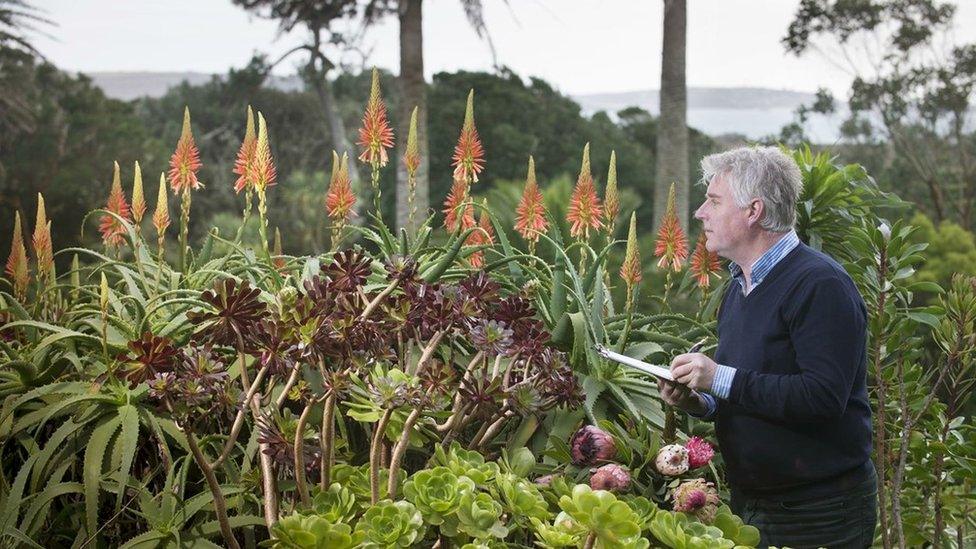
{"x": 672, "y": 133}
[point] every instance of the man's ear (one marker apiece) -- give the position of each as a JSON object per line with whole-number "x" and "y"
{"x": 756, "y": 210}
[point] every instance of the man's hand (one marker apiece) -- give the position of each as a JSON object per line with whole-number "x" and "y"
{"x": 694, "y": 370}
{"x": 680, "y": 397}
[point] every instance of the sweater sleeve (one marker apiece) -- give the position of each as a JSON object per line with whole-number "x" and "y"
{"x": 826, "y": 320}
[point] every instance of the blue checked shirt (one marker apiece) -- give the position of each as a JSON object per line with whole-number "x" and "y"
{"x": 722, "y": 383}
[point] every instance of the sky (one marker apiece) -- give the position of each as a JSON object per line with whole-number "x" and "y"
{"x": 580, "y": 46}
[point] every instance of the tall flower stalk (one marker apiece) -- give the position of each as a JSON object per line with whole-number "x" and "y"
{"x": 375, "y": 137}
{"x": 671, "y": 246}
{"x": 244, "y": 169}
{"x": 110, "y": 227}
{"x": 611, "y": 198}
{"x": 264, "y": 177}
{"x": 411, "y": 160}
{"x": 17, "y": 267}
{"x": 43, "y": 250}
{"x": 704, "y": 264}
{"x": 630, "y": 273}
{"x": 339, "y": 200}
{"x": 530, "y": 214}
{"x": 585, "y": 211}
{"x": 183, "y": 167}
{"x": 468, "y": 161}
{"x": 161, "y": 222}
{"x": 138, "y": 200}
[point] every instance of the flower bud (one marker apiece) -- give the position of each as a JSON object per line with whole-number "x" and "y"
{"x": 610, "y": 477}
{"x": 591, "y": 445}
{"x": 672, "y": 460}
{"x": 885, "y": 231}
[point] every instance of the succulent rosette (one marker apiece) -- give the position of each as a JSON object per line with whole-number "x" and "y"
{"x": 598, "y": 512}
{"x": 479, "y": 516}
{"x": 391, "y": 524}
{"x": 337, "y": 504}
{"x": 591, "y": 445}
{"x": 610, "y": 477}
{"x": 312, "y": 532}
{"x": 672, "y": 460}
{"x": 436, "y": 493}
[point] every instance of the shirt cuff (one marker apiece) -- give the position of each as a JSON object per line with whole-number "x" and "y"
{"x": 722, "y": 382}
{"x": 711, "y": 406}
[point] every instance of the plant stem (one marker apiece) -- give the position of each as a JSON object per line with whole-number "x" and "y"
{"x": 235, "y": 429}
{"x": 401, "y": 449}
{"x": 375, "y": 455}
{"x": 299, "y": 447}
{"x": 247, "y": 215}
{"x": 326, "y": 438}
{"x": 220, "y": 506}
{"x": 184, "y": 226}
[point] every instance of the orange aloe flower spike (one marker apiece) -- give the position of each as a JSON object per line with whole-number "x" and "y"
{"x": 672, "y": 244}
{"x": 630, "y": 271}
{"x": 611, "y": 201}
{"x": 339, "y": 200}
{"x": 479, "y": 238}
{"x": 244, "y": 164}
{"x": 17, "y": 264}
{"x": 185, "y": 162}
{"x": 161, "y": 215}
{"x": 265, "y": 173}
{"x": 376, "y": 135}
{"x": 530, "y": 214}
{"x": 411, "y": 157}
{"x": 457, "y": 208}
{"x": 138, "y": 196}
{"x": 469, "y": 154}
{"x": 703, "y": 262}
{"x": 111, "y": 228}
{"x": 43, "y": 249}
{"x": 584, "y": 212}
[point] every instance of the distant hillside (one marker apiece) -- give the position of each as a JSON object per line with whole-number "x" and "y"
{"x": 751, "y": 112}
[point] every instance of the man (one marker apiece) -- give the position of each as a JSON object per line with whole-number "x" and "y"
{"x": 787, "y": 387}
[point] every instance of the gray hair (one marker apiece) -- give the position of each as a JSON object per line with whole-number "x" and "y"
{"x": 764, "y": 173}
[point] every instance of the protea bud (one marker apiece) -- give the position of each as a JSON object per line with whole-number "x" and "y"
{"x": 244, "y": 164}
{"x": 161, "y": 214}
{"x": 185, "y": 162}
{"x": 672, "y": 460}
{"x": 611, "y": 201}
{"x": 111, "y": 228}
{"x": 699, "y": 452}
{"x": 376, "y": 135}
{"x": 630, "y": 271}
{"x": 469, "y": 155}
{"x": 138, "y": 196}
{"x": 584, "y": 212}
{"x": 703, "y": 262}
{"x": 611, "y": 477}
{"x": 530, "y": 214}
{"x": 591, "y": 445}
{"x": 411, "y": 158}
{"x": 672, "y": 244}
{"x": 698, "y": 498}
{"x": 17, "y": 264}
{"x": 43, "y": 248}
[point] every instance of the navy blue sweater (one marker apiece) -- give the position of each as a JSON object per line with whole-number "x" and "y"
{"x": 797, "y": 421}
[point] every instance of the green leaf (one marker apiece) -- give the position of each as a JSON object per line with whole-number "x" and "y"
{"x": 640, "y": 351}
{"x": 94, "y": 455}
{"x": 128, "y": 441}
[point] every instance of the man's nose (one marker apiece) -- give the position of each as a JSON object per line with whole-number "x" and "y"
{"x": 698, "y": 212}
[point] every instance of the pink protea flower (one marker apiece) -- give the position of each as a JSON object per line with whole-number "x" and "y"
{"x": 339, "y": 200}
{"x": 704, "y": 263}
{"x": 376, "y": 135}
{"x": 672, "y": 244}
{"x": 591, "y": 445}
{"x": 698, "y": 498}
{"x": 478, "y": 238}
{"x": 630, "y": 271}
{"x": 244, "y": 164}
{"x": 469, "y": 154}
{"x": 611, "y": 477}
{"x": 699, "y": 452}
{"x": 111, "y": 228}
{"x": 584, "y": 212}
{"x": 672, "y": 460}
{"x": 185, "y": 162}
{"x": 41, "y": 239}
{"x": 17, "y": 264}
{"x": 530, "y": 214}
{"x": 457, "y": 208}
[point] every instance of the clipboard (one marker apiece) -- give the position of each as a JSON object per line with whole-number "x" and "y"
{"x": 652, "y": 369}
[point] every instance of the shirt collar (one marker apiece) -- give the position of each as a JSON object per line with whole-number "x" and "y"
{"x": 769, "y": 259}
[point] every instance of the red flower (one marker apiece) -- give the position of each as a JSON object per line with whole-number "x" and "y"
{"x": 630, "y": 271}
{"x": 584, "y": 211}
{"x": 530, "y": 214}
{"x": 457, "y": 207}
{"x": 17, "y": 267}
{"x": 244, "y": 164}
{"x": 185, "y": 162}
{"x": 376, "y": 136}
{"x": 339, "y": 200}
{"x": 469, "y": 155}
{"x": 111, "y": 228}
{"x": 672, "y": 244}
{"x": 704, "y": 263}
{"x": 699, "y": 452}
{"x": 479, "y": 238}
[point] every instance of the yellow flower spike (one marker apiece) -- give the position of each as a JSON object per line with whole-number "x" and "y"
{"x": 376, "y": 135}
{"x": 265, "y": 173}
{"x": 17, "y": 267}
{"x": 112, "y": 229}
{"x": 161, "y": 214}
{"x": 43, "y": 250}
{"x": 411, "y": 158}
{"x": 530, "y": 214}
{"x": 339, "y": 200}
{"x": 630, "y": 271}
{"x": 103, "y": 294}
{"x": 138, "y": 198}
{"x": 244, "y": 164}
{"x": 584, "y": 212}
{"x": 672, "y": 244}
{"x": 185, "y": 162}
{"x": 611, "y": 201}
{"x": 469, "y": 154}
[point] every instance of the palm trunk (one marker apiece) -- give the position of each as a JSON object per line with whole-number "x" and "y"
{"x": 672, "y": 132}
{"x": 413, "y": 93}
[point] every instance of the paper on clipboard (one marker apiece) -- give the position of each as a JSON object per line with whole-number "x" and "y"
{"x": 652, "y": 369}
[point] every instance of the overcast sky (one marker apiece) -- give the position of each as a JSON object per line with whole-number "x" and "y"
{"x": 580, "y": 46}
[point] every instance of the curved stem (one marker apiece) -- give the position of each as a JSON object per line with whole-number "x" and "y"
{"x": 299, "y": 448}
{"x": 400, "y": 450}
{"x": 220, "y": 506}
{"x": 235, "y": 429}
{"x": 375, "y": 455}
{"x": 326, "y": 438}
{"x": 288, "y": 385}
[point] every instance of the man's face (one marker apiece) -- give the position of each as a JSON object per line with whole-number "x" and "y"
{"x": 725, "y": 223}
